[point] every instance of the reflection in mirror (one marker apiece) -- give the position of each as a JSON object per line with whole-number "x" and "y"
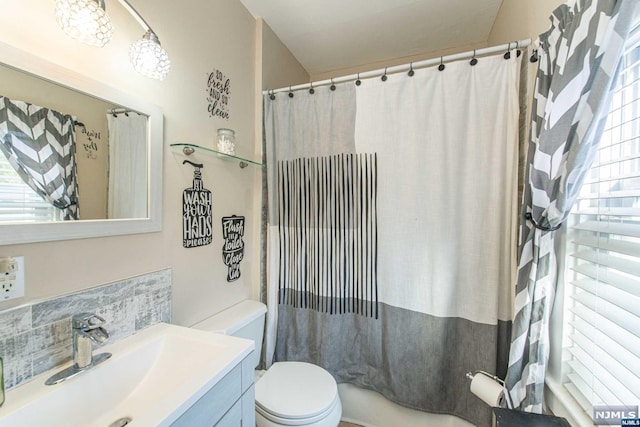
{"x": 67, "y": 155}
{"x": 127, "y": 188}
{"x": 110, "y": 197}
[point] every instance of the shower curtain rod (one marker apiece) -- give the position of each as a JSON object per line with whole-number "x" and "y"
{"x": 405, "y": 67}
{"x": 116, "y": 111}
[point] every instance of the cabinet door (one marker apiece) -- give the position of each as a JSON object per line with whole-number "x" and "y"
{"x": 249, "y": 407}
{"x": 233, "y": 418}
{"x": 248, "y": 371}
{"x": 211, "y": 407}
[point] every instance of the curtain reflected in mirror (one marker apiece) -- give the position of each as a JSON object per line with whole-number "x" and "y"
{"x": 127, "y": 194}
{"x": 39, "y": 144}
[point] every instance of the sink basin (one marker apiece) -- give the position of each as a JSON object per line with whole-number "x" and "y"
{"x": 152, "y": 378}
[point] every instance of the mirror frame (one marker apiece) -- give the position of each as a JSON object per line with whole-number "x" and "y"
{"x": 17, "y": 233}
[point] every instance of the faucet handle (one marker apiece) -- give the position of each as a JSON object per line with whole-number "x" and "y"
{"x": 86, "y": 321}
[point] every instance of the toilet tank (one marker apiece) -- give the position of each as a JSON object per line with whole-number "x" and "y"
{"x": 243, "y": 320}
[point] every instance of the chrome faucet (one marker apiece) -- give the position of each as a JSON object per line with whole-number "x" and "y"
{"x": 86, "y": 328}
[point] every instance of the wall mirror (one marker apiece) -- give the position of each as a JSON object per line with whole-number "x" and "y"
{"x": 115, "y": 172}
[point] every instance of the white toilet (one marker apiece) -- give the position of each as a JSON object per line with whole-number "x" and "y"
{"x": 288, "y": 393}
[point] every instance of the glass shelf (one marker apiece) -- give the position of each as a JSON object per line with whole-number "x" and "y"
{"x": 188, "y": 149}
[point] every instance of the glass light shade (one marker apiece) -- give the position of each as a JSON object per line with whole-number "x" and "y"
{"x": 84, "y": 20}
{"x": 149, "y": 58}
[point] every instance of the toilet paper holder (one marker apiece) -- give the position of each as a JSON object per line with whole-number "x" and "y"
{"x": 507, "y": 398}
{"x": 470, "y": 375}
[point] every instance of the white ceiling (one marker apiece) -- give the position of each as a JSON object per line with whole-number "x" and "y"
{"x": 327, "y": 35}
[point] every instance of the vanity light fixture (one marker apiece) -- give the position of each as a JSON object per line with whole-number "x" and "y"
{"x": 88, "y": 22}
{"x": 146, "y": 55}
{"x": 149, "y": 58}
{"x": 85, "y": 20}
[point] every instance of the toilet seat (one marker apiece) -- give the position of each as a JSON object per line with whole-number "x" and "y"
{"x": 296, "y": 393}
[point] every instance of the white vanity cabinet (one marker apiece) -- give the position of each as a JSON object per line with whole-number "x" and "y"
{"x": 229, "y": 403}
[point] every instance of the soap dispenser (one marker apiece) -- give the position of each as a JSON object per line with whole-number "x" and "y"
{"x": 197, "y": 219}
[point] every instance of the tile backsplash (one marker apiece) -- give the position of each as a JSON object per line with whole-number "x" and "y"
{"x": 35, "y": 338}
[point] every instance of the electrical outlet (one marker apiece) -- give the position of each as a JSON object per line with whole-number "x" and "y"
{"x": 11, "y": 278}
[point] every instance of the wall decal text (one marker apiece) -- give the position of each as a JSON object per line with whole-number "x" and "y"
{"x": 233, "y": 247}
{"x": 91, "y": 147}
{"x": 218, "y": 94}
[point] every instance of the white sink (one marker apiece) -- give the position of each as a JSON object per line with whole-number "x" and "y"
{"x": 152, "y": 378}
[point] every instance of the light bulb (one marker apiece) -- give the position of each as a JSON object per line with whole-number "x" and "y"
{"x": 149, "y": 58}
{"x": 84, "y": 20}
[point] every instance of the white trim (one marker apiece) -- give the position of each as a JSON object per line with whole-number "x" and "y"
{"x": 562, "y": 404}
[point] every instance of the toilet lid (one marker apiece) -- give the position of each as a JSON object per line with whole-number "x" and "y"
{"x": 296, "y": 390}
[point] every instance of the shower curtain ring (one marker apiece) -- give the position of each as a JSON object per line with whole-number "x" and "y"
{"x": 311, "y": 89}
{"x": 384, "y": 76}
{"x": 534, "y": 56}
{"x": 358, "y": 82}
{"x": 290, "y": 92}
{"x": 473, "y": 61}
{"x": 518, "y": 51}
{"x": 272, "y": 96}
{"x": 507, "y": 54}
{"x": 333, "y": 86}
{"x": 441, "y": 67}
{"x": 411, "y": 72}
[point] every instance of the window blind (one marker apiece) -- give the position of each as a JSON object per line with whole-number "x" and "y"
{"x": 18, "y": 202}
{"x": 601, "y": 362}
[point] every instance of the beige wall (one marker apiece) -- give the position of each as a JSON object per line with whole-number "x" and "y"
{"x": 521, "y": 19}
{"x": 207, "y": 34}
{"x": 516, "y": 20}
{"x": 279, "y": 67}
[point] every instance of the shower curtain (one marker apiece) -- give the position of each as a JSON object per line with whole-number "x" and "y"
{"x": 127, "y": 196}
{"x": 392, "y": 231}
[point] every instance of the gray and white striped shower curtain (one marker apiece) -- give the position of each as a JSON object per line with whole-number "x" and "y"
{"x": 392, "y": 211}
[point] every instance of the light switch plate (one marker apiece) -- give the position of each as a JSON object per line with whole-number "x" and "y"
{"x": 11, "y": 278}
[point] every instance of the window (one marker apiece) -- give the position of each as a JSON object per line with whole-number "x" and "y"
{"x": 18, "y": 202}
{"x": 601, "y": 361}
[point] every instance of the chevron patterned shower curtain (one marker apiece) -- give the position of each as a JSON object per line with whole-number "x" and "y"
{"x": 579, "y": 57}
{"x": 40, "y": 145}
